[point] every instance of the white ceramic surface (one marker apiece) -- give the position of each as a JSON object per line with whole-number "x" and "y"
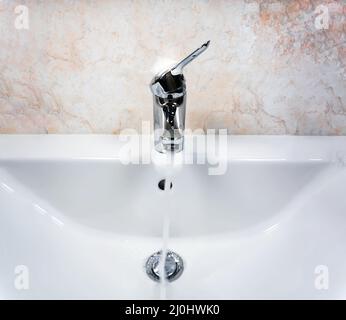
{"x": 84, "y": 224}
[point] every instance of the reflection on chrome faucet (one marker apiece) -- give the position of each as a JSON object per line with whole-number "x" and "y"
{"x": 169, "y": 90}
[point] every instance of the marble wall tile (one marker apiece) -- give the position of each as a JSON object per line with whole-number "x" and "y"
{"x": 273, "y": 67}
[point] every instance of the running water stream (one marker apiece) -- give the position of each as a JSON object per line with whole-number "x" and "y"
{"x": 168, "y": 168}
{"x": 165, "y": 238}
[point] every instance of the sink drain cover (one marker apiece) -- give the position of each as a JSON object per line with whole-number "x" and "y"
{"x": 174, "y": 266}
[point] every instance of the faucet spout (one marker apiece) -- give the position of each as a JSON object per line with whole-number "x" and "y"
{"x": 169, "y": 90}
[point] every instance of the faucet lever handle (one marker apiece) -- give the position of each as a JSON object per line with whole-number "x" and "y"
{"x": 178, "y": 68}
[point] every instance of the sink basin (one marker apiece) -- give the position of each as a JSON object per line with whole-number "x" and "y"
{"x": 84, "y": 223}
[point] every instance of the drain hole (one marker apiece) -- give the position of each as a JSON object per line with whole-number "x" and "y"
{"x": 174, "y": 266}
{"x": 162, "y": 184}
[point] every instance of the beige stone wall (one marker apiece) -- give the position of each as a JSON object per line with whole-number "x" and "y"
{"x": 273, "y": 67}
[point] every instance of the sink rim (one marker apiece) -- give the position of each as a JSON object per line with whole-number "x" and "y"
{"x": 240, "y": 147}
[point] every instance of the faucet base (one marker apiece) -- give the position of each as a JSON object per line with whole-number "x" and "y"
{"x": 163, "y": 145}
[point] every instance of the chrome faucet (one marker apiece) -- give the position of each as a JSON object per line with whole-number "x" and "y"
{"x": 169, "y": 90}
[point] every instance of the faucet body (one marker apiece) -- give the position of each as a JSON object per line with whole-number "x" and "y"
{"x": 169, "y": 118}
{"x": 169, "y": 97}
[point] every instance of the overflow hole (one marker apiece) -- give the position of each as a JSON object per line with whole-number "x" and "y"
{"x": 162, "y": 184}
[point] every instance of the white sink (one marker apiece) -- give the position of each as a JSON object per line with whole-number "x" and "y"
{"x": 83, "y": 224}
